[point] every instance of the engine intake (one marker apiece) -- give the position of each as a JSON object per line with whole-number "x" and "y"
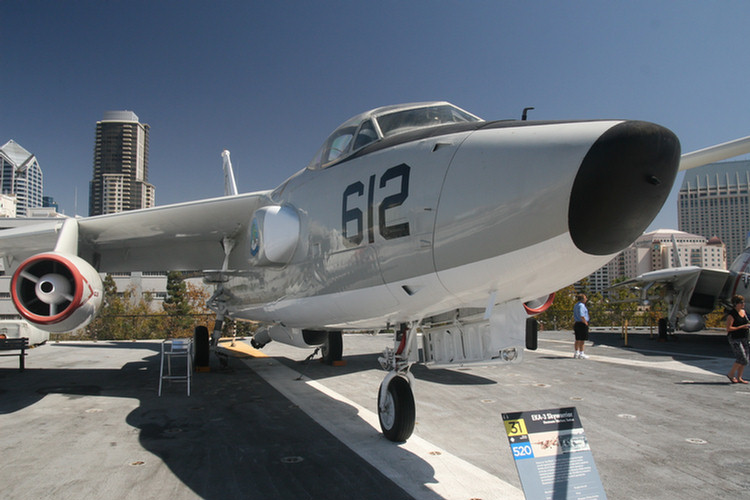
{"x": 56, "y": 292}
{"x": 538, "y": 306}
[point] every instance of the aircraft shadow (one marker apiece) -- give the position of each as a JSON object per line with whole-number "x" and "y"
{"x": 234, "y": 437}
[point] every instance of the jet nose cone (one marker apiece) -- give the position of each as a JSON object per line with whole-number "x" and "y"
{"x": 621, "y": 185}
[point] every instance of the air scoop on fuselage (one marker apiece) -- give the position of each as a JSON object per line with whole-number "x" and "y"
{"x": 621, "y": 185}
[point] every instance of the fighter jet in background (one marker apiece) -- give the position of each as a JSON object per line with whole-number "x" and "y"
{"x": 691, "y": 292}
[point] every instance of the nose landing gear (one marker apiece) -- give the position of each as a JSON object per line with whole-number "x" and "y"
{"x": 396, "y": 406}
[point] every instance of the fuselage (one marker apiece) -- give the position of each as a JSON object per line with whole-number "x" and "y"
{"x": 445, "y": 217}
{"x": 739, "y": 278}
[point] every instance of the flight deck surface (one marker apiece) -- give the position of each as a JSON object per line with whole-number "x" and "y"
{"x": 84, "y": 419}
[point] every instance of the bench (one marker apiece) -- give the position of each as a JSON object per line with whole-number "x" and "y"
{"x": 13, "y": 345}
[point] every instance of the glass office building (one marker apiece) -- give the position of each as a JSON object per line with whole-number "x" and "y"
{"x": 21, "y": 177}
{"x": 120, "y": 180}
{"x": 714, "y": 200}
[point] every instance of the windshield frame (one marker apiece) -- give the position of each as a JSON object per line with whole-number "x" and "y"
{"x": 405, "y": 120}
{"x": 331, "y": 153}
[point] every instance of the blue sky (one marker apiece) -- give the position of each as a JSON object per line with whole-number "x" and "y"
{"x": 270, "y": 80}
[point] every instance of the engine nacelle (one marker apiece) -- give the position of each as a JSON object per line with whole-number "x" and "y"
{"x": 693, "y": 322}
{"x": 274, "y": 235}
{"x": 56, "y": 292}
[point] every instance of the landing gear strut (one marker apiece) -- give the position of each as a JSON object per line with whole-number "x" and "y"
{"x": 396, "y": 407}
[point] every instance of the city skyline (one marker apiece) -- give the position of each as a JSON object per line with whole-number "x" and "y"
{"x": 269, "y": 82}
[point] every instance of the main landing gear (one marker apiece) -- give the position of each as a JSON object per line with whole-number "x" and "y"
{"x": 396, "y": 407}
{"x": 333, "y": 348}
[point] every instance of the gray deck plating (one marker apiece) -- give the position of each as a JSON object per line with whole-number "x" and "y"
{"x": 83, "y": 419}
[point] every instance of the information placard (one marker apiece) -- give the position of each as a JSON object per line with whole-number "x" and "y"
{"x": 552, "y": 455}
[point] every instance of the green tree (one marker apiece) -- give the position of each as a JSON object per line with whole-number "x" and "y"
{"x": 559, "y": 316}
{"x": 717, "y": 318}
{"x": 123, "y": 316}
{"x": 622, "y": 305}
{"x": 105, "y": 322}
{"x": 176, "y": 305}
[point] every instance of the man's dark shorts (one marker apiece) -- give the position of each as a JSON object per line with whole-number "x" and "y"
{"x": 581, "y": 330}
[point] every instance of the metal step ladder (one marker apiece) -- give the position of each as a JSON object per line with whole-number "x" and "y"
{"x": 176, "y": 348}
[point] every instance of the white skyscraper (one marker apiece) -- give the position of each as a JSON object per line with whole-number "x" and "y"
{"x": 21, "y": 176}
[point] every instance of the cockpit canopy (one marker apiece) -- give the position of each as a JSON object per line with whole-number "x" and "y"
{"x": 379, "y": 123}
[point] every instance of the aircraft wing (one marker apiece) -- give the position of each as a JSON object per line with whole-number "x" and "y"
{"x": 691, "y": 286}
{"x": 19, "y": 243}
{"x": 184, "y": 236}
{"x": 715, "y": 153}
{"x": 678, "y": 277}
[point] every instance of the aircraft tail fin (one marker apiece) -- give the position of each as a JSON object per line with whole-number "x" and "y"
{"x": 230, "y": 186}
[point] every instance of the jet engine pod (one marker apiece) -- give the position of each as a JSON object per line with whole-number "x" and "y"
{"x": 274, "y": 235}
{"x": 693, "y": 322}
{"x": 56, "y": 292}
{"x": 538, "y": 306}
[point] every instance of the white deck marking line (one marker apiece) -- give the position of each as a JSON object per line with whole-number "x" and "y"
{"x": 677, "y": 366}
{"x": 422, "y": 469}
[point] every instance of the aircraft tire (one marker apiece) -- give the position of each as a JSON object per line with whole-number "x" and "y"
{"x": 398, "y": 418}
{"x": 663, "y": 329}
{"x": 333, "y": 348}
{"x": 532, "y": 334}
{"x": 202, "y": 347}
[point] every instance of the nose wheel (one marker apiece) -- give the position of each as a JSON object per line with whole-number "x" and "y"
{"x": 396, "y": 408}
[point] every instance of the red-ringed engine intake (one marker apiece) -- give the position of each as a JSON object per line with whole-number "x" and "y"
{"x": 56, "y": 292}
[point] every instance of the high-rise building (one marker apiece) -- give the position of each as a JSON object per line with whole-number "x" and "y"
{"x": 714, "y": 200}
{"x": 49, "y": 202}
{"x": 21, "y": 176}
{"x": 120, "y": 179}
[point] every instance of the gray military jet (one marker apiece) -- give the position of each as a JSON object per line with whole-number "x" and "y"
{"x": 421, "y": 217}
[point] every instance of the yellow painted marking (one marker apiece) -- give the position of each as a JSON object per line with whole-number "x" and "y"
{"x": 515, "y": 427}
{"x": 240, "y": 349}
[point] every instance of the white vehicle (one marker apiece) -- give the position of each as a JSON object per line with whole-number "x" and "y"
{"x": 417, "y": 216}
{"x": 17, "y": 328}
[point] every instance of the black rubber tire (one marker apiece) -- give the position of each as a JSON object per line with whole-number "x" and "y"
{"x": 333, "y": 348}
{"x": 532, "y": 334}
{"x": 202, "y": 347}
{"x": 663, "y": 329}
{"x": 402, "y": 399}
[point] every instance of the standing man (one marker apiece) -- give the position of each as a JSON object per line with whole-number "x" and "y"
{"x": 581, "y": 326}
